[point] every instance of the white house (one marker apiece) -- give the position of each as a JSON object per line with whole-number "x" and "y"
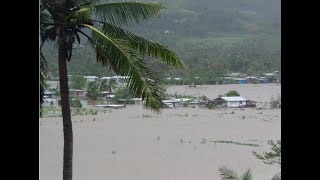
{"x": 47, "y": 94}
{"x": 91, "y": 78}
{"x": 234, "y": 101}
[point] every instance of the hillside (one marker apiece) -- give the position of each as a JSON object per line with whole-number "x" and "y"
{"x": 212, "y": 37}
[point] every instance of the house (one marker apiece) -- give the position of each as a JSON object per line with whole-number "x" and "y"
{"x": 106, "y": 78}
{"x": 107, "y": 94}
{"x": 50, "y": 101}
{"x": 91, "y": 78}
{"x": 170, "y": 103}
{"x": 77, "y": 92}
{"x": 136, "y": 100}
{"x": 263, "y": 80}
{"x": 251, "y": 79}
{"x": 231, "y": 80}
{"x": 47, "y": 94}
{"x": 240, "y": 80}
{"x": 234, "y": 101}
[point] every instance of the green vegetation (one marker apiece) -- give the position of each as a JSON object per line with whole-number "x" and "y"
{"x": 123, "y": 93}
{"x": 101, "y": 23}
{"x": 213, "y": 38}
{"x": 106, "y": 85}
{"x": 93, "y": 90}
{"x": 274, "y": 156}
{"x": 53, "y": 111}
{"x": 275, "y": 102}
{"x": 75, "y": 103}
{"x": 232, "y": 93}
{"x": 232, "y": 142}
{"x": 78, "y": 82}
{"x": 211, "y": 105}
{"x": 227, "y": 173}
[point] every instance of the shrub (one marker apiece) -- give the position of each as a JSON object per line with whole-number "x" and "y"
{"x": 232, "y": 93}
{"x": 275, "y": 102}
{"x": 75, "y": 103}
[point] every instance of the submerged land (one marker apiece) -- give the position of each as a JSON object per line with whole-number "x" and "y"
{"x": 187, "y": 143}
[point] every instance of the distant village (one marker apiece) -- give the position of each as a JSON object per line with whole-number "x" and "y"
{"x": 241, "y": 78}
{"x": 108, "y": 100}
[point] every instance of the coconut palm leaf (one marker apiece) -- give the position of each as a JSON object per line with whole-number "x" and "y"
{"x": 247, "y": 175}
{"x": 80, "y": 15}
{"x": 143, "y": 45}
{"x": 227, "y": 173}
{"x": 126, "y": 13}
{"x": 120, "y": 52}
{"x": 277, "y": 176}
{"x": 123, "y": 61}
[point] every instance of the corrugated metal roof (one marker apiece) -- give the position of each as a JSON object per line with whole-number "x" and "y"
{"x": 90, "y": 77}
{"x": 234, "y": 98}
{"x": 47, "y": 92}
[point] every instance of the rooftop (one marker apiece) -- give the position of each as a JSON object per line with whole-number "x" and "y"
{"x": 90, "y": 77}
{"x": 234, "y": 98}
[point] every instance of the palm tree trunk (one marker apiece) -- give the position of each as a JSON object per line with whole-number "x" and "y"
{"x": 66, "y": 115}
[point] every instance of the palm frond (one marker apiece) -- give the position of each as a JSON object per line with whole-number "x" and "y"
{"x": 143, "y": 45}
{"x": 45, "y": 21}
{"x": 247, "y": 175}
{"x": 227, "y": 173}
{"x": 80, "y": 15}
{"x": 45, "y": 25}
{"x": 277, "y": 176}
{"x": 126, "y": 13}
{"x": 123, "y": 61}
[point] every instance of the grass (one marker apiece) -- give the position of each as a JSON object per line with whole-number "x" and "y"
{"x": 237, "y": 143}
{"x": 54, "y": 111}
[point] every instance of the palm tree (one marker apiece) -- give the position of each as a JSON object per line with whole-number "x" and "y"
{"x": 64, "y": 21}
{"x": 227, "y": 173}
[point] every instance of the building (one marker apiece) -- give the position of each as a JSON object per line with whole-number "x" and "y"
{"x": 263, "y": 80}
{"x": 251, "y": 79}
{"x": 241, "y": 80}
{"x": 233, "y": 80}
{"x": 234, "y": 101}
{"x": 76, "y": 92}
{"x": 136, "y": 100}
{"x": 47, "y": 94}
{"x": 91, "y": 78}
{"x": 108, "y": 95}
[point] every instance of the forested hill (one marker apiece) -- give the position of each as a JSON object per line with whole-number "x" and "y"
{"x": 213, "y": 37}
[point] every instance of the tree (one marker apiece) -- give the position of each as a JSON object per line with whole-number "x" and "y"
{"x": 64, "y": 21}
{"x": 227, "y": 173}
{"x": 106, "y": 85}
{"x": 123, "y": 93}
{"x": 78, "y": 82}
{"x": 232, "y": 93}
{"x": 274, "y": 156}
{"x": 93, "y": 90}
